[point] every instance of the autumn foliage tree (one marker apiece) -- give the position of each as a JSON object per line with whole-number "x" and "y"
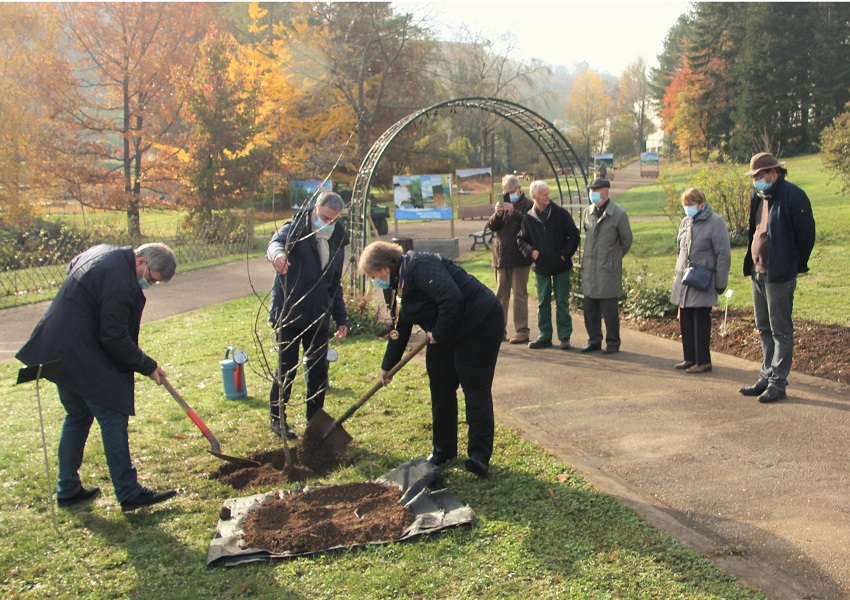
{"x": 587, "y": 111}
{"x": 113, "y": 100}
{"x": 226, "y": 154}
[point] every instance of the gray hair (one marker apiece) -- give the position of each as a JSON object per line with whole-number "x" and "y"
{"x": 510, "y": 182}
{"x": 160, "y": 257}
{"x": 332, "y": 200}
{"x": 537, "y": 186}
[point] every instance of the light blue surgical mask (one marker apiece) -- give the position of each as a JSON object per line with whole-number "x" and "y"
{"x": 381, "y": 284}
{"x": 320, "y": 226}
{"x": 690, "y": 210}
{"x": 513, "y": 197}
{"x": 144, "y": 283}
{"x": 595, "y": 197}
{"x": 761, "y": 185}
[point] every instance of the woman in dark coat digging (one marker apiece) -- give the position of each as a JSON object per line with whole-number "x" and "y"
{"x": 464, "y": 323}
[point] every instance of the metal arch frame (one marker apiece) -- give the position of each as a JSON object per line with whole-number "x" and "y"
{"x": 559, "y": 154}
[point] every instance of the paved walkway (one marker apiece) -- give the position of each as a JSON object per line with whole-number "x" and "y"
{"x": 763, "y": 490}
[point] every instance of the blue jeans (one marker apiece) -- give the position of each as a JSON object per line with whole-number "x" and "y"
{"x": 80, "y": 413}
{"x": 773, "y": 304}
{"x": 559, "y": 285}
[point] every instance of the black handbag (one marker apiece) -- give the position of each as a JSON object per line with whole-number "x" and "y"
{"x": 697, "y": 277}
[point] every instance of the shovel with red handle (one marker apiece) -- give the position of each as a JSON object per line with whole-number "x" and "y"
{"x": 215, "y": 449}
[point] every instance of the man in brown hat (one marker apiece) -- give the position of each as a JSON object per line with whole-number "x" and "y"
{"x": 781, "y": 238}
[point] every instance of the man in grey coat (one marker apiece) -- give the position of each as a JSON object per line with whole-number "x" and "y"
{"x": 608, "y": 238}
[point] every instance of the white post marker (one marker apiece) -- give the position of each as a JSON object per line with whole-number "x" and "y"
{"x": 728, "y": 294}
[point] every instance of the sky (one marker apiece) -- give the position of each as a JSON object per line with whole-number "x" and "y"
{"x": 606, "y": 35}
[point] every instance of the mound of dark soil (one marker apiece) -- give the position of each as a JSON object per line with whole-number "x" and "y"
{"x": 309, "y": 460}
{"x": 819, "y": 350}
{"x": 327, "y": 517}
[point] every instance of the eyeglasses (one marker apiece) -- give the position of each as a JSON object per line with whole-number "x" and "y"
{"x": 759, "y": 175}
{"x": 149, "y": 276}
{"x": 327, "y": 220}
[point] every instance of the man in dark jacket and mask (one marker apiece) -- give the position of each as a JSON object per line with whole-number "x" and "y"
{"x": 781, "y": 238}
{"x": 92, "y": 326}
{"x": 308, "y": 254}
{"x": 549, "y": 237}
{"x": 511, "y": 266}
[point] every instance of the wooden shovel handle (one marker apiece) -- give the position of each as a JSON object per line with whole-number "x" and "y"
{"x": 216, "y": 447}
{"x": 398, "y": 366}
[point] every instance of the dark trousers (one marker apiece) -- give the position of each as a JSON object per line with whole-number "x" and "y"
{"x": 597, "y": 309}
{"x": 79, "y": 416}
{"x": 471, "y": 364}
{"x": 315, "y": 345}
{"x": 695, "y": 324}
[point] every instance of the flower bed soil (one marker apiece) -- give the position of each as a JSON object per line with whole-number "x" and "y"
{"x": 819, "y": 350}
{"x": 327, "y": 517}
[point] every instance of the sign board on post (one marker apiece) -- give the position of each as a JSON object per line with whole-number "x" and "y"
{"x": 303, "y": 193}
{"x": 649, "y": 164}
{"x": 422, "y": 197}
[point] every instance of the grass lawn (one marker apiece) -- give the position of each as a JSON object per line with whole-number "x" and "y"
{"x": 536, "y": 534}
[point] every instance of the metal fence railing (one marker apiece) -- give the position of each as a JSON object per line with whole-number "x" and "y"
{"x": 33, "y": 266}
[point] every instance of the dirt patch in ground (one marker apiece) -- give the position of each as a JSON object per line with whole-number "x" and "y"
{"x": 819, "y": 350}
{"x": 338, "y": 515}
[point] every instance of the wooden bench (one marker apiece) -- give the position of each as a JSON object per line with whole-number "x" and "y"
{"x": 477, "y": 211}
{"x": 485, "y": 237}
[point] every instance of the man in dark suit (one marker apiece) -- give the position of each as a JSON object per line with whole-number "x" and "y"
{"x": 92, "y": 327}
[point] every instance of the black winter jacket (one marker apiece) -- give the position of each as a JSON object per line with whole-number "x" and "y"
{"x": 791, "y": 232}
{"x": 439, "y": 296}
{"x": 92, "y": 326}
{"x": 556, "y": 241}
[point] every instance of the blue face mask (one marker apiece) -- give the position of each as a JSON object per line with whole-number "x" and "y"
{"x": 143, "y": 283}
{"x": 761, "y": 185}
{"x": 690, "y": 211}
{"x": 381, "y": 284}
{"x": 513, "y": 197}
{"x": 320, "y": 226}
{"x": 595, "y": 197}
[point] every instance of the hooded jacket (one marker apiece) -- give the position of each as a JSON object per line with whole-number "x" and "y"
{"x": 92, "y": 326}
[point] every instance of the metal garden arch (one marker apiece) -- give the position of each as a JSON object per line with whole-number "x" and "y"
{"x": 570, "y": 176}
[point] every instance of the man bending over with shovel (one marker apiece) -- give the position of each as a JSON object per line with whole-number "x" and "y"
{"x": 92, "y": 326}
{"x": 308, "y": 254}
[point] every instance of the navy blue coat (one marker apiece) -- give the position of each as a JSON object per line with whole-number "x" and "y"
{"x": 791, "y": 232}
{"x": 307, "y": 296}
{"x": 439, "y": 296}
{"x": 92, "y": 326}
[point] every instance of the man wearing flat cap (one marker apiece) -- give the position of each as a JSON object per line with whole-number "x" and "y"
{"x": 781, "y": 238}
{"x": 608, "y": 237}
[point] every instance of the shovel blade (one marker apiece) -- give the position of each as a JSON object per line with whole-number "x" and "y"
{"x": 333, "y": 437}
{"x": 245, "y": 462}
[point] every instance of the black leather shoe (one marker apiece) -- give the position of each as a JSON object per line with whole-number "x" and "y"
{"x": 699, "y": 368}
{"x": 476, "y": 467}
{"x": 437, "y": 460}
{"x": 610, "y": 350}
{"x": 591, "y": 348}
{"x": 564, "y": 345}
{"x": 754, "y": 390}
{"x": 146, "y": 497}
{"x": 773, "y": 393}
{"x": 274, "y": 425}
{"x": 685, "y": 364}
{"x": 81, "y": 496}
{"x": 540, "y": 344}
